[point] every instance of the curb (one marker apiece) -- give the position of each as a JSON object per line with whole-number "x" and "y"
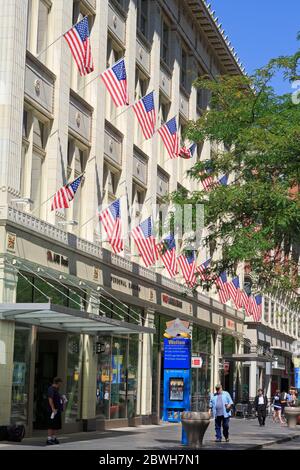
{"x": 278, "y": 441}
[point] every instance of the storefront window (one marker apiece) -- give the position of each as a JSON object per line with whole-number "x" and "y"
{"x": 119, "y": 378}
{"x": 133, "y": 364}
{"x": 72, "y": 411}
{"x": 20, "y": 382}
{"x": 103, "y": 385}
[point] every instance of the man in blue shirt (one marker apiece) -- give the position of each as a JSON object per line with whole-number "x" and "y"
{"x": 220, "y": 405}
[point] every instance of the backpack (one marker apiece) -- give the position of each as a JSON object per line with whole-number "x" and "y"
{"x": 16, "y": 432}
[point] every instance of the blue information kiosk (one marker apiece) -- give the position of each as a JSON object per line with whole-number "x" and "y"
{"x": 177, "y": 377}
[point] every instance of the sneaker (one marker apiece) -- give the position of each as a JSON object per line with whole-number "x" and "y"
{"x": 55, "y": 441}
{"x": 218, "y": 440}
{"x": 227, "y": 439}
{"x": 49, "y": 442}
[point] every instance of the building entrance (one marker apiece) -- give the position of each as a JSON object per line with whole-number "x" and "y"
{"x": 46, "y": 368}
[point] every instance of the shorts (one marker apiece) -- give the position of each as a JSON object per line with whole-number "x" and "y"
{"x": 54, "y": 423}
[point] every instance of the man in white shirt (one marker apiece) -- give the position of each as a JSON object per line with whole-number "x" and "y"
{"x": 261, "y": 403}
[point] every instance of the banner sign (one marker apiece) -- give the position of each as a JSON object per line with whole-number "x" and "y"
{"x": 177, "y": 353}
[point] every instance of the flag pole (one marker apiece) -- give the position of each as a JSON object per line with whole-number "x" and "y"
{"x": 59, "y": 37}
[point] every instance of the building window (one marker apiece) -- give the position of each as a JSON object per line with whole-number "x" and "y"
{"x": 247, "y": 284}
{"x": 78, "y": 81}
{"x": 42, "y": 32}
{"x": 77, "y": 158}
{"x": 266, "y": 310}
{"x": 183, "y": 69}
{"x": 20, "y": 379}
{"x": 38, "y": 27}
{"x": 165, "y": 42}
{"x": 138, "y": 198}
{"x": 272, "y": 313}
{"x": 114, "y": 53}
{"x": 141, "y": 88}
{"x": 110, "y": 183}
{"x": 34, "y": 142}
{"x": 142, "y": 17}
{"x": 73, "y": 385}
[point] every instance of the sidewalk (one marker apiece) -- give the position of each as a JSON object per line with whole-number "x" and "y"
{"x": 244, "y": 434}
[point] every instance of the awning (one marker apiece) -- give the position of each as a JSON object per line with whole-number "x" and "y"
{"x": 58, "y": 317}
{"x": 247, "y": 357}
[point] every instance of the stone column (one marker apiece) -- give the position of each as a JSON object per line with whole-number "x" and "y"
{"x": 60, "y": 58}
{"x": 8, "y": 285}
{"x": 215, "y": 376}
{"x": 253, "y": 379}
{"x": 88, "y": 397}
{"x": 13, "y": 23}
{"x": 125, "y": 123}
{"x": 146, "y": 355}
{"x": 97, "y": 93}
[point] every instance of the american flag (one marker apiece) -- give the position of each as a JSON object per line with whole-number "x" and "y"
{"x": 208, "y": 181}
{"x": 145, "y": 241}
{"x": 245, "y": 302}
{"x": 223, "y": 290}
{"x": 223, "y": 181}
{"x": 257, "y": 308}
{"x": 167, "y": 251}
{"x": 64, "y": 195}
{"x": 235, "y": 292}
{"x": 111, "y": 221}
{"x": 187, "y": 152}
{"x": 187, "y": 265}
{"x": 145, "y": 112}
{"x": 115, "y": 80}
{"x": 169, "y": 135}
{"x": 78, "y": 39}
{"x": 202, "y": 269}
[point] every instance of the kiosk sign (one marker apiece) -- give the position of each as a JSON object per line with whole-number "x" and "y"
{"x": 177, "y": 353}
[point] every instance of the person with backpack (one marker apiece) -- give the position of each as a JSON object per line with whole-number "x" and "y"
{"x": 283, "y": 401}
{"x": 55, "y": 408}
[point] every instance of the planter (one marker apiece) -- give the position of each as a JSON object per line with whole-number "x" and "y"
{"x": 292, "y": 414}
{"x": 195, "y": 425}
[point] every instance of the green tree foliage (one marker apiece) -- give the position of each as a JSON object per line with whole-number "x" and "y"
{"x": 255, "y": 138}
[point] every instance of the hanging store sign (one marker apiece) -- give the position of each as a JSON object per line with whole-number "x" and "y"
{"x": 57, "y": 259}
{"x": 197, "y": 362}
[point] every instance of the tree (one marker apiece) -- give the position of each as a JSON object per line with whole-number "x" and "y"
{"x": 255, "y": 138}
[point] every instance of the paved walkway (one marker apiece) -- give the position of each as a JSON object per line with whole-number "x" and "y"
{"x": 244, "y": 434}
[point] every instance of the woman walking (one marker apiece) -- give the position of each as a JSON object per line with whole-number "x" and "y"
{"x": 277, "y": 408}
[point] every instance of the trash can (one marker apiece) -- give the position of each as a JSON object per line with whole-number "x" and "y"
{"x": 195, "y": 424}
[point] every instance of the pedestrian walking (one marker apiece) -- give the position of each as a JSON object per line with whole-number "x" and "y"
{"x": 220, "y": 406}
{"x": 283, "y": 401}
{"x": 261, "y": 403}
{"x": 277, "y": 408}
{"x": 55, "y": 407}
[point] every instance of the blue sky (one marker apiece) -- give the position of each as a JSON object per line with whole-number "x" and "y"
{"x": 260, "y": 30}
